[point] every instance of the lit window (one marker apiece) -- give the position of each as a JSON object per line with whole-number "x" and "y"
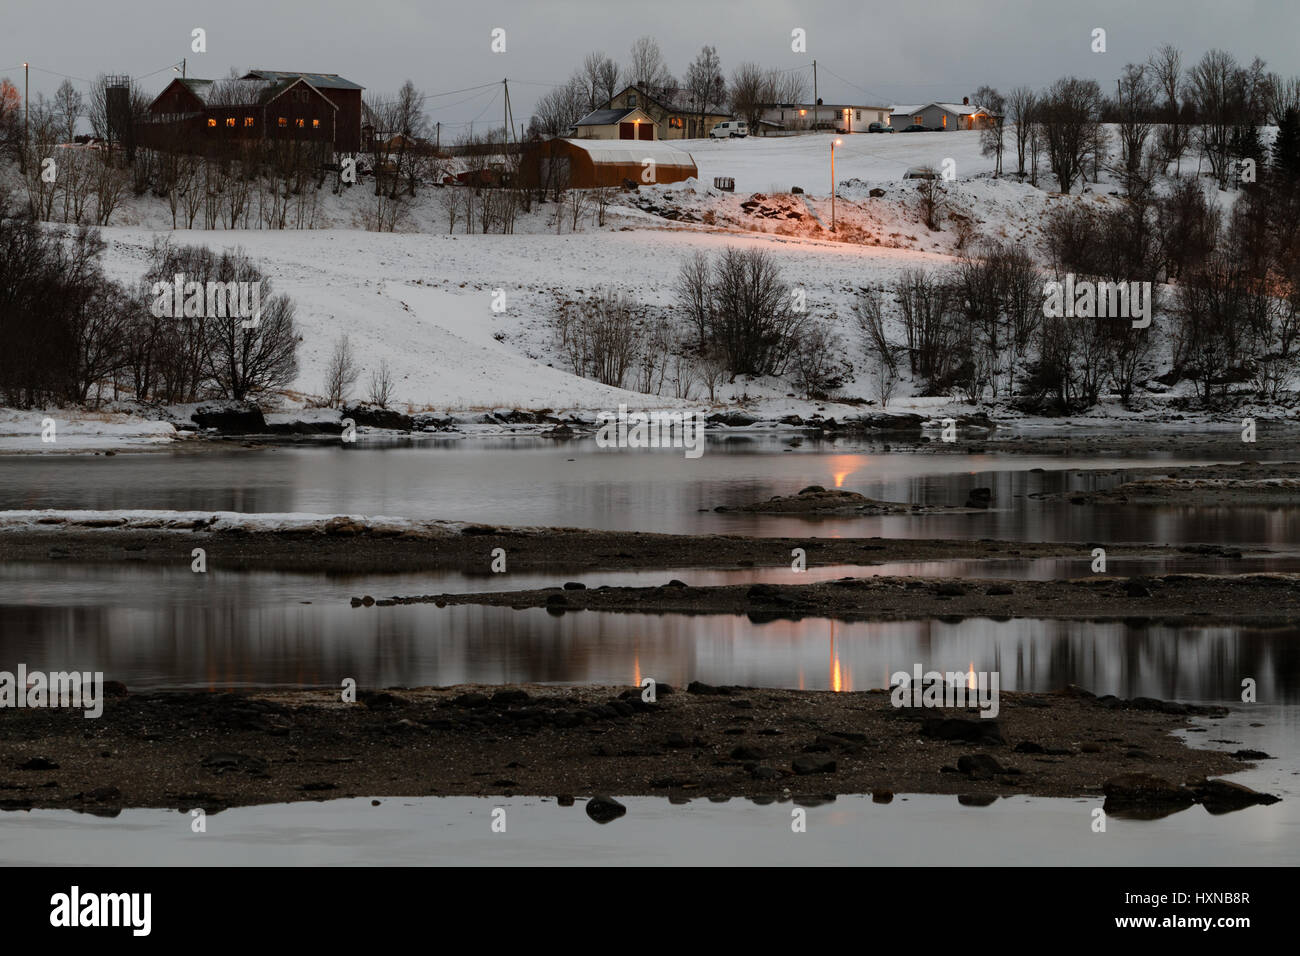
{"x": 230, "y": 121}
{"x": 315, "y": 124}
{"x": 248, "y": 121}
{"x": 283, "y": 122}
{"x": 212, "y": 122}
{"x": 300, "y": 123}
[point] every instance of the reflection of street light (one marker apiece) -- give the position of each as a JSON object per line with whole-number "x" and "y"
{"x": 834, "y": 143}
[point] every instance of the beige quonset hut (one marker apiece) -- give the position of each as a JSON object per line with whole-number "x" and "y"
{"x": 588, "y": 163}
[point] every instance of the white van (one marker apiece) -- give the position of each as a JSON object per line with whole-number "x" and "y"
{"x": 732, "y": 129}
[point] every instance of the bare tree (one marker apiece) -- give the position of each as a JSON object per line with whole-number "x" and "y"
{"x": 68, "y": 106}
{"x": 381, "y": 385}
{"x": 1069, "y": 116}
{"x": 646, "y": 67}
{"x": 561, "y": 108}
{"x": 1134, "y": 106}
{"x": 1166, "y": 66}
{"x": 752, "y": 321}
{"x": 1020, "y": 106}
{"x": 694, "y": 291}
{"x": 598, "y": 336}
{"x": 750, "y": 91}
{"x": 991, "y": 136}
{"x": 932, "y": 198}
{"x": 341, "y": 373}
{"x": 599, "y": 76}
{"x": 786, "y": 86}
{"x": 705, "y": 82}
{"x": 814, "y": 363}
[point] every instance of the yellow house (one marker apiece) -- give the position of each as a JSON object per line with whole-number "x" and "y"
{"x": 675, "y": 114}
{"x": 615, "y": 124}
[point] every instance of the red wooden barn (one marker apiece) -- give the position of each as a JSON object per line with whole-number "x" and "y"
{"x": 216, "y": 116}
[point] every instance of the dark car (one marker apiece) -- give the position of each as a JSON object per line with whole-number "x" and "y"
{"x": 916, "y": 128}
{"x": 880, "y": 128}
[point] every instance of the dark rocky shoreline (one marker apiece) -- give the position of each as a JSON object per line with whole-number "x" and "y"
{"x": 1250, "y": 600}
{"x": 185, "y": 750}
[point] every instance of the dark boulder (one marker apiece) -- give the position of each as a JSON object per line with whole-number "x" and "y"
{"x": 1223, "y": 796}
{"x": 372, "y": 416}
{"x": 603, "y": 809}
{"x": 974, "y": 730}
{"x": 1145, "y": 796}
{"x": 810, "y": 764}
{"x": 231, "y": 419}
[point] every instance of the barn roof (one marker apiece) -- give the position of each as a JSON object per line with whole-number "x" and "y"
{"x": 632, "y": 152}
{"x": 240, "y": 92}
{"x": 604, "y": 117}
{"x": 675, "y": 101}
{"x": 322, "y": 81}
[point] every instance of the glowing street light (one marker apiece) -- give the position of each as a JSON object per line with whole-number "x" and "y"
{"x": 834, "y": 143}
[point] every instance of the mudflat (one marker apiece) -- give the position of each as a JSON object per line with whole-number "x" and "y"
{"x": 212, "y": 750}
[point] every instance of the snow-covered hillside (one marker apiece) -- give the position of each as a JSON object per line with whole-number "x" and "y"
{"x": 422, "y": 300}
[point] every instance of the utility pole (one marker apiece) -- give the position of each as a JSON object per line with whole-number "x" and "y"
{"x": 27, "y": 103}
{"x": 184, "y": 65}
{"x": 507, "y": 114}
{"x": 815, "y": 100}
{"x": 437, "y": 137}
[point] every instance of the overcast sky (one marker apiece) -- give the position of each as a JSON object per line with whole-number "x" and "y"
{"x": 903, "y": 51}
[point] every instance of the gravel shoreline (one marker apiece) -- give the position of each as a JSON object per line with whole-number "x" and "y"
{"x": 1247, "y": 600}
{"x": 347, "y": 549}
{"x": 214, "y": 750}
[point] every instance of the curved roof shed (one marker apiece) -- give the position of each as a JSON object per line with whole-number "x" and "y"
{"x": 588, "y": 163}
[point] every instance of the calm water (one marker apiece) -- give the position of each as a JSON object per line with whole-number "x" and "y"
{"x": 536, "y": 482}
{"x": 166, "y": 628}
{"x": 153, "y": 628}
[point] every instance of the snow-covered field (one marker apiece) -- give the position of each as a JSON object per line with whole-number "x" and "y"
{"x": 425, "y": 303}
{"x": 774, "y": 164}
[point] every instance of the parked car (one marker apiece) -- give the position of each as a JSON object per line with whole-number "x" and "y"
{"x": 881, "y": 128}
{"x": 731, "y": 129}
{"x": 916, "y": 128}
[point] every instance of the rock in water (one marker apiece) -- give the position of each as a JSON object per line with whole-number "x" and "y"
{"x": 1145, "y": 796}
{"x": 604, "y": 809}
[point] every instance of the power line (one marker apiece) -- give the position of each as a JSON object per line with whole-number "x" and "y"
{"x": 854, "y": 85}
{"x": 66, "y": 76}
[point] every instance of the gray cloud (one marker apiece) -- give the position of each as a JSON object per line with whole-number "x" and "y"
{"x": 894, "y": 52}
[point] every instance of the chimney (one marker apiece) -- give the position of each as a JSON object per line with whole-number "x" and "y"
{"x": 965, "y": 101}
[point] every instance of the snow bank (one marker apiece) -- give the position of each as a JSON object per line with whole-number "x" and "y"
{"x": 223, "y": 521}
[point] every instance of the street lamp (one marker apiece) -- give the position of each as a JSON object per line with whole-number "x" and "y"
{"x": 834, "y": 143}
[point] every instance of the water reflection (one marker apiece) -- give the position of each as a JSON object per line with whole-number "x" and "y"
{"x": 529, "y": 481}
{"x": 169, "y": 628}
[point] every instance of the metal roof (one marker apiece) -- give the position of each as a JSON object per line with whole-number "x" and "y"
{"x": 626, "y": 152}
{"x": 604, "y": 117}
{"x": 322, "y": 81}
